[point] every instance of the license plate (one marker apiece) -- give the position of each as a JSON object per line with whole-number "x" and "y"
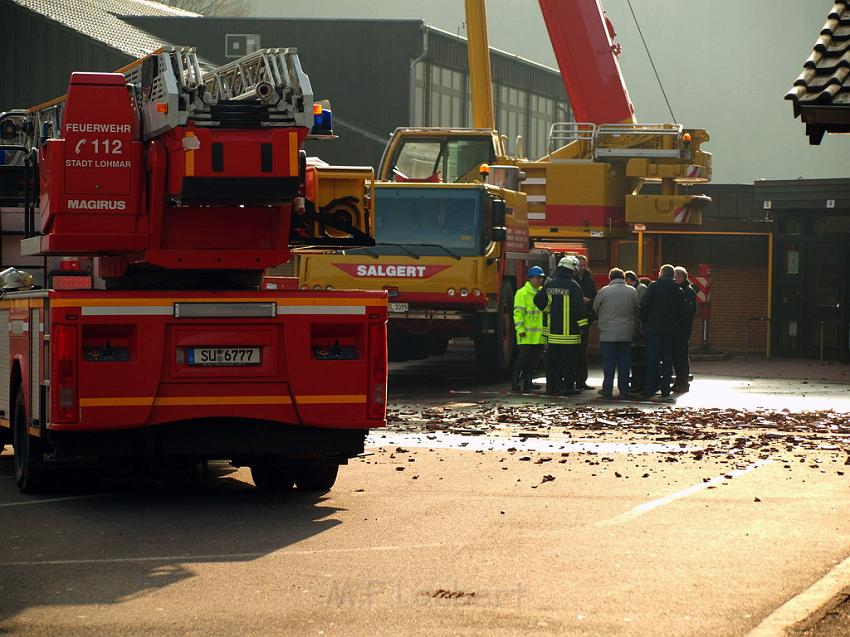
{"x": 235, "y": 356}
{"x": 398, "y": 307}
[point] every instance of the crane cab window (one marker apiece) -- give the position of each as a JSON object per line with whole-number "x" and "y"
{"x": 442, "y": 159}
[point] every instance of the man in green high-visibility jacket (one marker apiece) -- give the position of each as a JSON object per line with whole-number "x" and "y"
{"x": 528, "y": 322}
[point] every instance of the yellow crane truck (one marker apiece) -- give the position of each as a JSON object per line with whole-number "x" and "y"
{"x": 451, "y": 247}
{"x": 440, "y": 249}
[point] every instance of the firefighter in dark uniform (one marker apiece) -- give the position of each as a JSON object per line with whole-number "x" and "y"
{"x": 588, "y": 290}
{"x": 560, "y": 298}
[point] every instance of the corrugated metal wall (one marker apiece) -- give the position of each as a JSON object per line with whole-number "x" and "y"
{"x": 39, "y": 55}
{"x": 447, "y": 50}
{"x": 816, "y": 195}
{"x": 728, "y": 201}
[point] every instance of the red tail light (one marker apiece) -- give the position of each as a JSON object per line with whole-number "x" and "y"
{"x": 376, "y": 394}
{"x": 63, "y": 391}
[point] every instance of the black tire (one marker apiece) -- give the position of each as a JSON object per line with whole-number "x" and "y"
{"x": 396, "y": 349}
{"x": 407, "y": 347}
{"x": 273, "y": 477}
{"x": 30, "y": 474}
{"x": 495, "y": 353}
{"x": 438, "y": 345}
{"x": 320, "y": 477}
{"x": 417, "y": 347}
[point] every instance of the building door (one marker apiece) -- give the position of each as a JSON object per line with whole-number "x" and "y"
{"x": 811, "y": 307}
{"x": 790, "y": 302}
{"x": 826, "y": 278}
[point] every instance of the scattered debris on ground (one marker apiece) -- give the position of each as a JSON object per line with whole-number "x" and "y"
{"x": 734, "y": 437}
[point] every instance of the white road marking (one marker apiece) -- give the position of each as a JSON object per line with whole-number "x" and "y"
{"x": 48, "y": 500}
{"x": 804, "y": 610}
{"x": 219, "y": 556}
{"x": 646, "y": 507}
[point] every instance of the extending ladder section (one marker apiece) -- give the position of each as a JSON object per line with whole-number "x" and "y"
{"x": 272, "y": 76}
{"x": 265, "y": 88}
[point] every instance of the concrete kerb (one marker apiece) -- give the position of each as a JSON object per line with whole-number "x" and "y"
{"x": 803, "y": 611}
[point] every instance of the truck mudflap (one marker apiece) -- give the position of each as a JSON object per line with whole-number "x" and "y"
{"x": 132, "y": 360}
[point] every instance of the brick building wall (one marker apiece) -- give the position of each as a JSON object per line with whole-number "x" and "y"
{"x": 738, "y": 293}
{"x": 739, "y": 276}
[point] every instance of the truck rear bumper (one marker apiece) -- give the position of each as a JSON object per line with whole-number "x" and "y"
{"x": 238, "y": 440}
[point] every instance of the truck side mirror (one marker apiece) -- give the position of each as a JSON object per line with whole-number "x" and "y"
{"x": 498, "y": 213}
{"x": 499, "y": 234}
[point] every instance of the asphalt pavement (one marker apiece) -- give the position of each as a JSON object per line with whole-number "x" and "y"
{"x": 477, "y": 511}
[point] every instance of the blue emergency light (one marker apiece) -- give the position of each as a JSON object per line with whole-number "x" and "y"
{"x": 323, "y": 123}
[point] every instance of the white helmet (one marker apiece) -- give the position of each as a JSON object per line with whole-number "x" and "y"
{"x": 568, "y": 262}
{"x": 12, "y": 279}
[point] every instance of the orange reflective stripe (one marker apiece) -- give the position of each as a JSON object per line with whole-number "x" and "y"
{"x": 186, "y": 401}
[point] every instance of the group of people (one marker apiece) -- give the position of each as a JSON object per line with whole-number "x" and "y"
{"x": 649, "y": 320}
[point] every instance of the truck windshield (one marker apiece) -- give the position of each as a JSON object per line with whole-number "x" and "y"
{"x": 413, "y": 217}
{"x": 441, "y": 159}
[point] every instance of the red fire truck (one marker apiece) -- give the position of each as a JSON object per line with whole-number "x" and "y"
{"x": 180, "y": 186}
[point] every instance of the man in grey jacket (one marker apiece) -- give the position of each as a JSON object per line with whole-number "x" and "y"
{"x": 616, "y": 305}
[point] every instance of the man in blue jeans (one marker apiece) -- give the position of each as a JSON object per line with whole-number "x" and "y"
{"x": 616, "y": 306}
{"x": 661, "y": 311}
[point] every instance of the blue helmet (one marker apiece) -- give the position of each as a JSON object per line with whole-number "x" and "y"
{"x": 535, "y": 270}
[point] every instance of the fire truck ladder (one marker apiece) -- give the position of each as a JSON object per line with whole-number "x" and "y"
{"x": 18, "y": 192}
{"x": 172, "y": 87}
{"x": 265, "y": 88}
{"x": 272, "y": 76}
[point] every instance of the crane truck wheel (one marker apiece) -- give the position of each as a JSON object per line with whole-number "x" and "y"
{"x": 397, "y": 349}
{"x": 407, "y": 347}
{"x": 495, "y": 352}
{"x": 270, "y": 477}
{"x": 438, "y": 345}
{"x": 30, "y": 474}
{"x": 319, "y": 477}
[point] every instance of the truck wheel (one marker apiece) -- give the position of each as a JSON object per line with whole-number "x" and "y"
{"x": 320, "y": 477}
{"x": 30, "y": 474}
{"x": 495, "y": 352}
{"x": 397, "y": 349}
{"x": 407, "y": 347}
{"x": 417, "y": 347}
{"x": 438, "y": 345}
{"x": 273, "y": 477}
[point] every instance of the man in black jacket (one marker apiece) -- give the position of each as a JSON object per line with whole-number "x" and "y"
{"x": 662, "y": 309}
{"x": 560, "y": 299}
{"x": 682, "y": 334}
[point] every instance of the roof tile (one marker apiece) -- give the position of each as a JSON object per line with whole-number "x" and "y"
{"x": 821, "y": 93}
{"x": 101, "y": 20}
